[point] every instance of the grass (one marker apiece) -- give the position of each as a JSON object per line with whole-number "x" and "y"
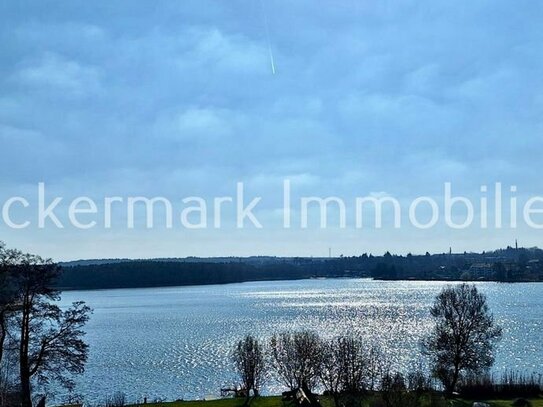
{"x": 496, "y": 403}
{"x": 275, "y": 401}
{"x": 272, "y": 401}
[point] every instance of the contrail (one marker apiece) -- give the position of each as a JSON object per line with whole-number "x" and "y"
{"x": 271, "y": 59}
{"x": 267, "y": 29}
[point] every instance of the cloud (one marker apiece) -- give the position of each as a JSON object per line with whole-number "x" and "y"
{"x": 58, "y": 74}
{"x": 180, "y": 98}
{"x": 25, "y": 153}
{"x": 234, "y": 54}
{"x": 200, "y": 124}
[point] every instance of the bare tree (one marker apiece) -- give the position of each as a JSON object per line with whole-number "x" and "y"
{"x": 8, "y": 308}
{"x": 5, "y": 304}
{"x": 117, "y": 399}
{"x": 353, "y": 359}
{"x": 8, "y": 258}
{"x": 344, "y": 369}
{"x": 331, "y": 369}
{"x": 248, "y": 359}
{"x": 296, "y": 359}
{"x": 50, "y": 345}
{"x": 8, "y": 387}
{"x": 464, "y": 335}
{"x": 419, "y": 381}
{"x": 376, "y": 366}
{"x": 394, "y": 392}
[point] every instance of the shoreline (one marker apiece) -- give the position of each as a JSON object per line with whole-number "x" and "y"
{"x": 66, "y": 289}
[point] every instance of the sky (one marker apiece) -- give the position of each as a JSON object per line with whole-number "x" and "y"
{"x": 344, "y": 98}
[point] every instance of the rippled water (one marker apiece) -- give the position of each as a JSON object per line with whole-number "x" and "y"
{"x": 175, "y": 342}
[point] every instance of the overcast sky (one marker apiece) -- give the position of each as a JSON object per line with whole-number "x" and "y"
{"x": 345, "y": 98}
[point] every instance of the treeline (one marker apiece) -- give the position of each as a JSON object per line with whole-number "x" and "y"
{"x": 136, "y": 274}
{"x": 504, "y": 265}
{"x": 508, "y": 265}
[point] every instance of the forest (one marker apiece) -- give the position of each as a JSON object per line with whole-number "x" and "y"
{"x": 505, "y": 265}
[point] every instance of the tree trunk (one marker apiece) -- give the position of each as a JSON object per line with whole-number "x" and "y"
{"x": 26, "y": 397}
{"x": 3, "y": 334}
{"x": 247, "y": 397}
{"x": 24, "y": 367}
{"x": 452, "y": 385}
{"x": 335, "y": 396}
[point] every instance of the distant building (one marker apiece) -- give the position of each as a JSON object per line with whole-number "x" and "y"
{"x": 481, "y": 270}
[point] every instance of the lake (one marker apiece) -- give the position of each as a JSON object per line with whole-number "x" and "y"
{"x": 175, "y": 342}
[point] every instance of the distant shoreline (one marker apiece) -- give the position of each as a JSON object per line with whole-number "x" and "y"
{"x": 292, "y": 279}
{"x": 503, "y": 265}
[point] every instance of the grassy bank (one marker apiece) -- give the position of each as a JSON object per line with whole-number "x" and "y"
{"x": 277, "y": 402}
{"x": 495, "y": 403}
{"x": 273, "y": 401}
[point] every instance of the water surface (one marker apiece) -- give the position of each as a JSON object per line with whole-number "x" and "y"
{"x": 175, "y": 343}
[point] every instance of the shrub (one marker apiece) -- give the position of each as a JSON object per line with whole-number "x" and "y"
{"x": 511, "y": 384}
{"x": 118, "y": 399}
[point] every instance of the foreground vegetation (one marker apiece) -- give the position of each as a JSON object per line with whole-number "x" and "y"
{"x": 274, "y": 401}
{"x": 39, "y": 341}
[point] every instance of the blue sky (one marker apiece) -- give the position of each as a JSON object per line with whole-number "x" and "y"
{"x": 179, "y": 98}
